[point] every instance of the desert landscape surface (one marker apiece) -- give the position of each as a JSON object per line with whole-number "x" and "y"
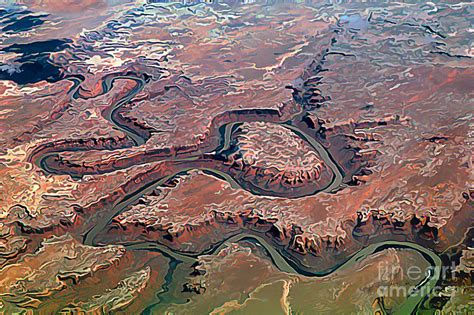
{"x": 252, "y": 157}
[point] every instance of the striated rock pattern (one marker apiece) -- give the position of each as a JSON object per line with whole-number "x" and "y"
{"x": 280, "y": 160}
{"x": 117, "y": 298}
{"x": 57, "y": 260}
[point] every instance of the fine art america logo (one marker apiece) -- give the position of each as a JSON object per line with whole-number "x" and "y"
{"x": 400, "y": 283}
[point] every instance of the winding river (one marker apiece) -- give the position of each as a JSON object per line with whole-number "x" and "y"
{"x": 102, "y": 219}
{"x": 409, "y": 306}
{"x": 110, "y": 115}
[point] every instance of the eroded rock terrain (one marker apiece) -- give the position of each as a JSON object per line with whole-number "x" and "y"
{"x": 205, "y": 157}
